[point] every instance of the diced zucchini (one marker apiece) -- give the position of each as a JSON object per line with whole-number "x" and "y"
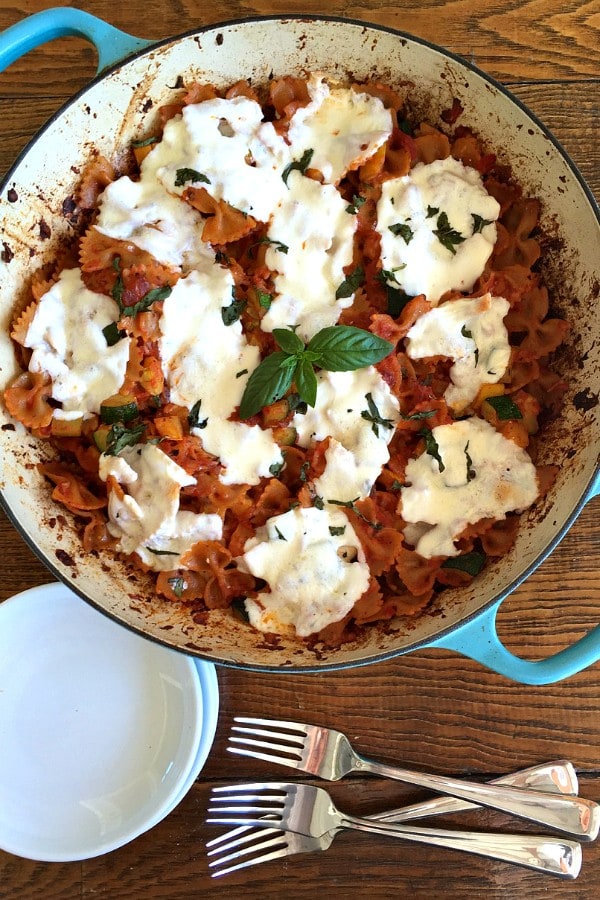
{"x": 118, "y": 408}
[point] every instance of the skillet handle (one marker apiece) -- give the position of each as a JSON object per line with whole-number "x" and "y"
{"x": 111, "y": 44}
{"x": 479, "y": 641}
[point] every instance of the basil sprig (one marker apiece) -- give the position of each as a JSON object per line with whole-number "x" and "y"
{"x": 298, "y": 165}
{"x": 337, "y": 348}
{"x": 505, "y": 407}
{"x": 472, "y": 563}
{"x": 120, "y": 437}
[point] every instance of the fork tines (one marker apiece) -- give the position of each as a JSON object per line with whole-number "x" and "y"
{"x": 249, "y": 846}
{"x": 289, "y": 740}
{"x": 248, "y": 804}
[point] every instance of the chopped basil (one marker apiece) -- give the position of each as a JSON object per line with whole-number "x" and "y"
{"x": 373, "y": 415}
{"x": 145, "y": 142}
{"x": 238, "y": 605}
{"x": 351, "y": 504}
{"x": 177, "y": 585}
{"x": 352, "y": 281}
{"x": 276, "y": 468}
{"x": 162, "y": 552}
{"x": 158, "y": 293}
{"x": 423, "y": 414}
{"x": 241, "y": 372}
{"x": 471, "y": 563}
{"x": 300, "y": 165}
{"x": 231, "y": 313}
{"x": 505, "y": 407}
{"x": 304, "y": 470}
{"x": 281, "y": 536}
{"x": 431, "y": 447}
{"x": 182, "y": 176}
{"x": 264, "y": 299}
{"x": 471, "y": 473}
{"x": 336, "y": 530}
{"x": 222, "y": 258}
{"x": 396, "y": 485}
{"x": 466, "y": 333}
{"x": 479, "y": 223}
{"x": 432, "y": 211}
{"x": 120, "y": 437}
{"x": 112, "y": 334}
{"x": 318, "y": 502}
{"x": 396, "y": 300}
{"x": 283, "y": 248}
{"x": 194, "y": 419}
{"x": 387, "y": 275}
{"x": 446, "y": 235}
{"x": 401, "y": 229}
{"x": 357, "y": 202}
{"x": 118, "y": 286}
{"x": 296, "y": 404}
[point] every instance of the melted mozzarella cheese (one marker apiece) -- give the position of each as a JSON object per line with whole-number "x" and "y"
{"x": 68, "y": 344}
{"x": 341, "y": 126}
{"x": 226, "y": 141}
{"x": 147, "y": 520}
{"x": 472, "y": 333}
{"x": 317, "y": 235}
{"x": 205, "y": 360}
{"x": 143, "y": 213}
{"x": 414, "y": 205}
{"x": 484, "y": 476}
{"x": 304, "y": 556}
{"x": 358, "y": 448}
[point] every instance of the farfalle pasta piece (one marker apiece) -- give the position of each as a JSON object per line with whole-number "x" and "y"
{"x": 26, "y": 399}
{"x": 99, "y": 173}
{"x": 224, "y": 223}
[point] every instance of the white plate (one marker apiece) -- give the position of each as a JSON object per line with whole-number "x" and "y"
{"x": 102, "y": 732}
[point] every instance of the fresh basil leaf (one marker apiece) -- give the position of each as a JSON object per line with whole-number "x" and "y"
{"x": 505, "y": 407}
{"x": 194, "y": 420}
{"x": 112, "y": 334}
{"x": 396, "y": 300}
{"x": 431, "y": 447}
{"x": 351, "y": 504}
{"x": 288, "y": 340}
{"x": 268, "y": 383}
{"x": 472, "y": 563}
{"x": 343, "y": 348}
{"x": 349, "y": 285}
{"x": 423, "y": 414}
{"x": 385, "y": 276}
{"x": 306, "y": 381}
{"x": 283, "y": 248}
{"x": 318, "y": 502}
{"x": 300, "y": 165}
{"x": 120, "y": 437}
{"x": 336, "y": 530}
{"x": 479, "y": 223}
{"x": 281, "y": 536}
{"x": 432, "y": 211}
{"x": 466, "y": 332}
{"x": 276, "y": 468}
{"x": 182, "y": 176}
{"x": 446, "y": 235}
{"x": 403, "y": 230}
{"x": 162, "y": 552}
{"x": 231, "y": 313}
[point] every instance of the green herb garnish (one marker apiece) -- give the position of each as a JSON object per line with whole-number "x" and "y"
{"x": 231, "y": 313}
{"x": 337, "y": 348}
{"x": 336, "y": 530}
{"x": 357, "y": 202}
{"x": 432, "y": 211}
{"x": 471, "y": 473}
{"x": 373, "y": 415}
{"x": 194, "y": 419}
{"x": 120, "y": 437}
{"x": 446, "y": 235}
{"x": 351, "y": 504}
{"x": 300, "y": 165}
{"x": 479, "y": 223}
{"x": 177, "y": 585}
{"x": 182, "y": 176}
{"x": 264, "y": 299}
{"x": 281, "y": 536}
{"x": 471, "y": 563}
{"x": 162, "y": 552}
{"x": 431, "y": 447}
{"x": 352, "y": 281}
{"x": 401, "y": 229}
{"x": 505, "y": 407}
{"x": 144, "y": 142}
{"x": 112, "y": 334}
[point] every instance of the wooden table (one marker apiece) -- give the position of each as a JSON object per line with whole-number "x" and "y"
{"x": 430, "y": 709}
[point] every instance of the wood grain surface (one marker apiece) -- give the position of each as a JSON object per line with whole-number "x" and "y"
{"x": 430, "y": 710}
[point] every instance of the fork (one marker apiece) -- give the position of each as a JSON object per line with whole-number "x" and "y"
{"x": 309, "y": 810}
{"x": 328, "y": 754}
{"x": 250, "y": 846}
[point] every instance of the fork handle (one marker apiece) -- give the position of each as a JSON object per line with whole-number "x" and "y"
{"x": 539, "y": 852}
{"x": 558, "y": 777}
{"x": 572, "y": 815}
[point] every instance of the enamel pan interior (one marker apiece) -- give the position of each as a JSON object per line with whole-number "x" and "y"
{"x": 34, "y": 208}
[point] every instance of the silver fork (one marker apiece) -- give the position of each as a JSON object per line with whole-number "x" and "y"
{"x": 251, "y": 846}
{"x": 309, "y": 810}
{"x": 329, "y": 754}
